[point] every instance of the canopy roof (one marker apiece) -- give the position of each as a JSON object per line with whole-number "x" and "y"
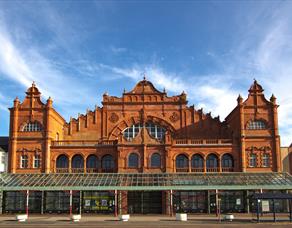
{"x": 144, "y": 181}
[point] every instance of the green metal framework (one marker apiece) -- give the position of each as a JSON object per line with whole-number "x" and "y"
{"x": 144, "y": 181}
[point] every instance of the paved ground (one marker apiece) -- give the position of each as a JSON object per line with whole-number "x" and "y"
{"x": 140, "y": 221}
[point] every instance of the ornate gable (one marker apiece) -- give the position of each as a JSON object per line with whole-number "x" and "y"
{"x": 145, "y": 87}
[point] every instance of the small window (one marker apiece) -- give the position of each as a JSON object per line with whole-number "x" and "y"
{"x": 212, "y": 161}
{"x": 252, "y": 160}
{"x": 37, "y": 161}
{"x": 32, "y": 126}
{"x": 266, "y": 160}
{"x": 197, "y": 161}
{"x": 107, "y": 162}
{"x": 24, "y": 161}
{"x": 256, "y": 125}
{"x": 133, "y": 161}
{"x": 227, "y": 161}
{"x": 182, "y": 161}
{"x": 155, "y": 160}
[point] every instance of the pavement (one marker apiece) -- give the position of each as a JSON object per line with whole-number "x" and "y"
{"x": 139, "y": 221}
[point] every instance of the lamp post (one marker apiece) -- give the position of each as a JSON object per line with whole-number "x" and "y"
{"x": 258, "y": 210}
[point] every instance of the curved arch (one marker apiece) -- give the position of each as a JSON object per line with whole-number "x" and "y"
{"x": 197, "y": 161}
{"x": 77, "y": 162}
{"x": 92, "y": 162}
{"x": 107, "y": 163}
{"x": 155, "y": 160}
{"x": 117, "y": 130}
{"x": 182, "y": 162}
{"x": 227, "y": 162}
{"x": 133, "y": 160}
{"x": 62, "y": 162}
{"x": 212, "y": 162}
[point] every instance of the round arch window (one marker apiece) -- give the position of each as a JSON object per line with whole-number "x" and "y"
{"x": 133, "y": 160}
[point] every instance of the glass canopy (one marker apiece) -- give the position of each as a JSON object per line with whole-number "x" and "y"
{"x": 144, "y": 181}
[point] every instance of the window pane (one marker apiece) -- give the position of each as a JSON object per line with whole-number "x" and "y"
{"x": 133, "y": 160}
{"x": 212, "y": 161}
{"x": 182, "y": 161}
{"x": 156, "y": 160}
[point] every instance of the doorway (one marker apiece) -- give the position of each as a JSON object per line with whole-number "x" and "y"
{"x": 144, "y": 202}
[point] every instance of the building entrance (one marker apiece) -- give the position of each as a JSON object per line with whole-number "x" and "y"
{"x": 144, "y": 202}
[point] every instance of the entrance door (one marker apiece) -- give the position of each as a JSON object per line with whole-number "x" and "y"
{"x": 144, "y": 202}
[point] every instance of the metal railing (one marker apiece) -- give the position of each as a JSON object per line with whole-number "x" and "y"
{"x": 227, "y": 169}
{"x": 182, "y": 170}
{"x": 215, "y": 169}
{"x": 202, "y": 141}
{"x": 83, "y": 142}
{"x": 197, "y": 170}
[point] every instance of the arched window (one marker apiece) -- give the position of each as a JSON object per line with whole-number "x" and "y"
{"x": 77, "y": 162}
{"x": 131, "y": 132}
{"x": 252, "y": 160}
{"x": 197, "y": 161}
{"x": 155, "y": 131}
{"x": 266, "y": 160}
{"x": 182, "y": 161}
{"x": 24, "y": 161}
{"x": 256, "y": 125}
{"x": 107, "y": 163}
{"x": 32, "y": 126}
{"x": 212, "y": 161}
{"x": 62, "y": 162}
{"x": 155, "y": 160}
{"x": 92, "y": 162}
{"x": 133, "y": 160}
{"x": 227, "y": 161}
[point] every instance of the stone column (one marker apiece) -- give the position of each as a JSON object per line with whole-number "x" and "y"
{"x": 276, "y": 135}
{"x": 242, "y": 133}
{"x": 48, "y": 138}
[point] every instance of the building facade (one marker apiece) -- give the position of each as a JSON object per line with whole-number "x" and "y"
{"x": 145, "y": 131}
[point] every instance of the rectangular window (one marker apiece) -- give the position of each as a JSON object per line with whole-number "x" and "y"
{"x": 37, "y": 161}
{"x": 266, "y": 160}
{"x": 252, "y": 160}
{"x": 23, "y": 161}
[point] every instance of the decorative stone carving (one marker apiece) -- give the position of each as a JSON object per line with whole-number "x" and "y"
{"x": 174, "y": 117}
{"x": 114, "y": 118}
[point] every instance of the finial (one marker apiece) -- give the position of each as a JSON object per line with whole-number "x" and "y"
{"x": 273, "y": 99}
{"x": 239, "y": 99}
{"x": 164, "y": 90}
{"x": 144, "y": 76}
{"x": 16, "y": 102}
{"x": 49, "y": 102}
{"x": 33, "y": 84}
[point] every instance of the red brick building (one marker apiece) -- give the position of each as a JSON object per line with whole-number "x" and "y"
{"x": 146, "y": 131}
{"x": 144, "y": 126}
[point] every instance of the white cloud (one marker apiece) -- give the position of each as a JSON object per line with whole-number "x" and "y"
{"x": 25, "y": 65}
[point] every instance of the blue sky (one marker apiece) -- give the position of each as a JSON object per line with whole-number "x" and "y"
{"x": 77, "y": 50}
